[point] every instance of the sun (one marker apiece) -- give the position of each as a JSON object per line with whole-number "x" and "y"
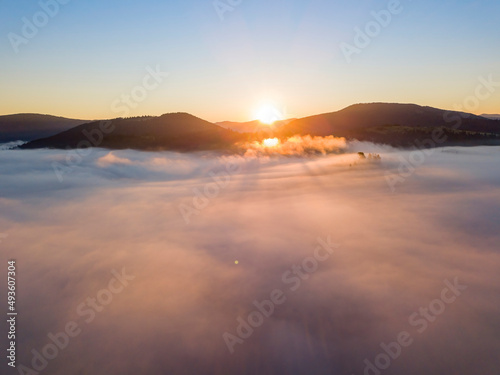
{"x": 268, "y": 114}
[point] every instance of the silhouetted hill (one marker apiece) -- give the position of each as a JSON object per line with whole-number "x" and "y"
{"x": 174, "y": 131}
{"x": 491, "y": 117}
{"x": 398, "y": 125}
{"x": 401, "y": 125}
{"x": 26, "y": 127}
{"x": 252, "y": 126}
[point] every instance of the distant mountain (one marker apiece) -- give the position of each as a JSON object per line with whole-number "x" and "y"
{"x": 491, "y": 117}
{"x": 252, "y": 126}
{"x": 398, "y": 125}
{"x": 27, "y": 127}
{"x": 174, "y": 131}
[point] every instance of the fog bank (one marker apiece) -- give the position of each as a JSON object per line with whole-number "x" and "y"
{"x": 203, "y": 236}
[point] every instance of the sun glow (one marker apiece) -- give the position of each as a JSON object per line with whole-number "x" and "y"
{"x": 271, "y": 142}
{"x": 268, "y": 115}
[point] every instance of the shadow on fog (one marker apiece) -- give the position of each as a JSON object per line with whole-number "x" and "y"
{"x": 120, "y": 209}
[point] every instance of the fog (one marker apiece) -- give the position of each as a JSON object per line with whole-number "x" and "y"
{"x": 295, "y": 146}
{"x": 204, "y": 235}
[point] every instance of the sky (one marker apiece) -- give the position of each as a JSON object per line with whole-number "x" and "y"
{"x": 85, "y": 57}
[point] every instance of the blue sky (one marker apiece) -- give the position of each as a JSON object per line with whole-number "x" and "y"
{"x": 284, "y": 52}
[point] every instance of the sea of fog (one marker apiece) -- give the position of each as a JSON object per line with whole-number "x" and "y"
{"x": 164, "y": 263}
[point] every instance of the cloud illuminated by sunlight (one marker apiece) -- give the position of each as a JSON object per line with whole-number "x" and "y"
{"x": 296, "y": 146}
{"x": 271, "y": 142}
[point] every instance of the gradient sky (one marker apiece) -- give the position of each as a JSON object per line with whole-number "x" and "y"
{"x": 283, "y": 51}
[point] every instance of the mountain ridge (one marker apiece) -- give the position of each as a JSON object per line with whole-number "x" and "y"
{"x": 31, "y": 126}
{"x": 491, "y": 116}
{"x": 177, "y": 131}
{"x": 395, "y": 124}
{"x": 252, "y": 126}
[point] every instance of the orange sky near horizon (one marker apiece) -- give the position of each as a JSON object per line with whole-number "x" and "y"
{"x": 89, "y": 63}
